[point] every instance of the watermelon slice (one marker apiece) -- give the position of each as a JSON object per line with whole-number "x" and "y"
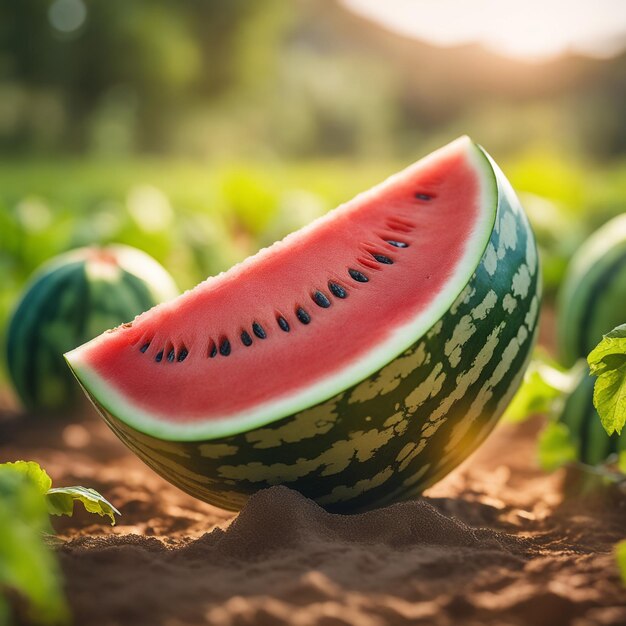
{"x": 440, "y": 252}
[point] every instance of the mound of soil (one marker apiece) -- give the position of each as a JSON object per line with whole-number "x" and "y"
{"x": 496, "y": 542}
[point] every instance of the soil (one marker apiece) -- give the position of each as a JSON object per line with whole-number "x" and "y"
{"x": 496, "y": 542}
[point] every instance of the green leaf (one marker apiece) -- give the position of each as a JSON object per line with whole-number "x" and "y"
{"x": 621, "y": 462}
{"x": 544, "y": 384}
{"x": 620, "y": 552}
{"x": 607, "y": 361}
{"x": 34, "y": 472}
{"x": 556, "y": 447}
{"x": 27, "y": 566}
{"x": 61, "y": 502}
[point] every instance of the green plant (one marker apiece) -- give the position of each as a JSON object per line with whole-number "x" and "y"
{"x": 545, "y": 383}
{"x": 28, "y": 568}
{"x": 555, "y": 448}
{"x": 607, "y": 361}
{"x": 548, "y": 387}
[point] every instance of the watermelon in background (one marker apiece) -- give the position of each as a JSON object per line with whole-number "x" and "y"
{"x": 592, "y": 444}
{"x": 592, "y": 299}
{"x": 358, "y": 360}
{"x": 591, "y": 302}
{"x": 73, "y": 298}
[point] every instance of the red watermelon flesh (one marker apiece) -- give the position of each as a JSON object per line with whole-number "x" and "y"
{"x": 308, "y": 316}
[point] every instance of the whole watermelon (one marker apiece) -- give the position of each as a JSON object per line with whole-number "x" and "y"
{"x": 70, "y": 299}
{"x": 591, "y": 302}
{"x": 593, "y": 445}
{"x": 592, "y": 299}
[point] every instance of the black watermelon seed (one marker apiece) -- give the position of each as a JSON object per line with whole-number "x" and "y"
{"x": 159, "y": 357}
{"x": 423, "y": 196}
{"x": 398, "y": 244}
{"x": 171, "y": 356}
{"x": 258, "y": 330}
{"x": 225, "y": 347}
{"x": 358, "y": 276}
{"x": 321, "y": 299}
{"x": 337, "y": 290}
{"x": 245, "y": 338}
{"x": 302, "y": 315}
{"x": 381, "y": 258}
{"x": 144, "y": 347}
{"x": 213, "y": 351}
{"x": 182, "y": 355}
{"x": 283, "y": 323}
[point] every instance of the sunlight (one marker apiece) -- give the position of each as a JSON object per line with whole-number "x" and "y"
{"x": 532, "y": 30}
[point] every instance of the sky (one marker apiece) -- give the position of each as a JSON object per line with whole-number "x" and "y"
{"x": 533, "y": 30}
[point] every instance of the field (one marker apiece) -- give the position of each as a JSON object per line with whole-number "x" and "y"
{"x": 202, "y": 132}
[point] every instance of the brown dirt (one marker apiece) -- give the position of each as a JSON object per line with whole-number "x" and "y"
{"x": 494, "y": 543}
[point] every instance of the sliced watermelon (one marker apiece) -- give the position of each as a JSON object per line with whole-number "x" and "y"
{"x": 317, "y": 320}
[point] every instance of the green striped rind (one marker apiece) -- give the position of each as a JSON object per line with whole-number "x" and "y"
{"x": 392, "y": 435}
{"x": 593, "y": 444}
{"x": 65, "y": 304}
{"x": 593, "y": 296}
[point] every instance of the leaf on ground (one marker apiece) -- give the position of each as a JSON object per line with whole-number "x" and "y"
{"x": 34, "y": 472}
{"x": 607, "y": 361}
{"x": 556, "y": 447}
{"x": 61, "y": 502}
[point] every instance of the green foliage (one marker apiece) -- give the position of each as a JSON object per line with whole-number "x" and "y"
{"x": 291, "y": 78}
{"x": 27, "y": 566}
{"x": 33, "y": 472}
{"x": 198, "y": 219}
{"x": 61, "y": 502}
{"x": 121, "y": 79}
{"x": 547, "y": 387}
{"x": 545, "y": 383}
{"x": 556, "y": 447}
{"x": 607, "y": 361}
{"x": 194, "y": 219}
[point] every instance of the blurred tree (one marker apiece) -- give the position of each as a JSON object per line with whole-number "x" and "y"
{"x": 302, "y": 78}
{"x": 131, "y": 64}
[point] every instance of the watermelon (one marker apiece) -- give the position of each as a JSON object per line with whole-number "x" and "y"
{"x": 358, "y": 360}
{"x": 590, "y": 304}
{"x": 71, "y": 299}
{"x": 593, "y": 444}
{"x": 592, "y": 300}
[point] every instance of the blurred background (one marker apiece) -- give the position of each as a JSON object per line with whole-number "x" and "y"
{"x": 202, "y": 130}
